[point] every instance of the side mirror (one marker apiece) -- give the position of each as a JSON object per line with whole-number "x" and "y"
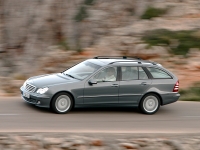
{"x": 91, "y": 82}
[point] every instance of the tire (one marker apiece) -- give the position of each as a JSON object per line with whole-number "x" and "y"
{"x": 62, "y": 103}
{"x": 150, "y": 104}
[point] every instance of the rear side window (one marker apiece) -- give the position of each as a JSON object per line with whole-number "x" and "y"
{"x": 142, "y": 74}
{"x": 129, "y": 73}
{"x": 159, "y": 74}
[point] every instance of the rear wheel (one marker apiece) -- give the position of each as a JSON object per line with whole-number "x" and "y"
{"x": 150, "y": 104}
{"x": 62, "y": 103}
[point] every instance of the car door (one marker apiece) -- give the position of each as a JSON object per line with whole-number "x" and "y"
{"x": 134, "y": 82}
{"x": 105, "y": 89}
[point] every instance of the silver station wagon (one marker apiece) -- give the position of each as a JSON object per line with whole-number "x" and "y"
{"x": 104, "y": 80}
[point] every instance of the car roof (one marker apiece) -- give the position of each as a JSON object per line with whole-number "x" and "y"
{"x": 128, "y": 62}
{"x": 121, "y": 61}
{"x": 104, "y": 62}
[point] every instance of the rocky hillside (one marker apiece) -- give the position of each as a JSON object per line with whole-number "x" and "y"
{"x": 44, "y": 36}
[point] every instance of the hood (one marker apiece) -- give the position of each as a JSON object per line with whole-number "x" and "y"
{"x": 50, "y": 79}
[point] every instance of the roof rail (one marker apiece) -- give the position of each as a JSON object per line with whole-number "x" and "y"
{"x": 116, "y": 57}
{"x": 137, "y": 59}
{"x": 126, "y": 61}
{"x": 139, "y": 62}
{"x": 152, "y": 62}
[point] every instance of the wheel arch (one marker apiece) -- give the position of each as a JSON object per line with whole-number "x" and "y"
{"x": 161, "y": 100}
{"x": 63, "y": 92}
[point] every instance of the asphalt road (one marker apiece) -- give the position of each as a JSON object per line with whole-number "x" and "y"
{"x": 18, "y": 116}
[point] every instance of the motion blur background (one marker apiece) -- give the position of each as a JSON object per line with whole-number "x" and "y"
{"x": 48, "y": 36}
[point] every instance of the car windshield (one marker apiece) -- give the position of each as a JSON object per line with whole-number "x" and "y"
{"x": 82, "y": 70}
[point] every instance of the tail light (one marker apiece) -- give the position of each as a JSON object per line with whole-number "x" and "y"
{"x": 176, "y": 87}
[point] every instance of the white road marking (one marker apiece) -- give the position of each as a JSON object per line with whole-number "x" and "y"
{"x": 192, "y": 116}
{"x": 9, "y": 114}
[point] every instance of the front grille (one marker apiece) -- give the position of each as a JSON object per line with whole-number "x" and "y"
{"x": 30, "y": 88}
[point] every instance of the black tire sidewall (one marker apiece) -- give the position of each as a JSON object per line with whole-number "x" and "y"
{"x": 53, "y": 103}
{"x": 142, "y": 101}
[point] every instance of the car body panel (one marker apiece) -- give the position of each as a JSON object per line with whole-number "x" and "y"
{"x": 104, "y": 92}
{"x": 50, "y": 80}
{"x": 74, "y": 88}
{"x": 131, "y": 91}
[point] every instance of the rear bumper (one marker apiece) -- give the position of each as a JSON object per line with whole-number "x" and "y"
{"x": 170, "y": 98}
{"x": 35, "y": 99}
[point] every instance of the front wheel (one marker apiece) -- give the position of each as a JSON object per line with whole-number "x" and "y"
{"x": 150, "y": 104}
{"x": 62, "y": 103}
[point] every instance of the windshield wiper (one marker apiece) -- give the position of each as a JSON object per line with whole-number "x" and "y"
{"x": 71, "y": 76}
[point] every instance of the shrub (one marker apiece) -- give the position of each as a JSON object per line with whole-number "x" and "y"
{"x": 63, "y": 44}
{"x": 179, "y": 41}
{"x": 191, "y": 94}
{"x": 78, "y": 45}
{"x": 88, "y": 2}
{"x": 81, "y": 15}
{"x": 153, "y": 12}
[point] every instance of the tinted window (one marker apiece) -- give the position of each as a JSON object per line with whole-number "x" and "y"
{"x": 129, "y": 73}
{"x": 142, "y": 74}
{"x": 159, "y": 74}
{"x": 106, "y": 75}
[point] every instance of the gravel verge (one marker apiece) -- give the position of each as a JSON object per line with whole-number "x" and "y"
{"x": 70, "y": 141}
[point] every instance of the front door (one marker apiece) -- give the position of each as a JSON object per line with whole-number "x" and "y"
{"x": 106, "y": 88}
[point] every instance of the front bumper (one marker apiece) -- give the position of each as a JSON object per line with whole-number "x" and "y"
{"x": 36, "y": 99}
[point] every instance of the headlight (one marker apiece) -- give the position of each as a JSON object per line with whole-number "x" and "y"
{"x": 42, "y": 90}
{"x": 24, "y": 85}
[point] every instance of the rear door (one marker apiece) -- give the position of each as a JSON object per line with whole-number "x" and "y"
{"x": 133, "y": 83}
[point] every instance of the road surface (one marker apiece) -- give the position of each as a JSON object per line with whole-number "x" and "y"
{"x": 18, "y": 116}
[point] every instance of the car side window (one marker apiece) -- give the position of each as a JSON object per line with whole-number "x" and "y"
{"x": 106, "y": 75}
{"x": 129, "y": 73}
{"x": 142, "y": 74}
{"x": 159, "y": 74}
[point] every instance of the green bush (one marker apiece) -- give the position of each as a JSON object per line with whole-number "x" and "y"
{"x": 191, "y": 94}
{"x": 179, "y": 41}
{"x": 81, "y": 15}
{"x": 88, "y": 2}
{"x": 153, "y": 12}
{"x": 63, "y": 44}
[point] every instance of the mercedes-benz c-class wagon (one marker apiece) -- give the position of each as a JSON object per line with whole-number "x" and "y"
{"x": 104, "y": 80}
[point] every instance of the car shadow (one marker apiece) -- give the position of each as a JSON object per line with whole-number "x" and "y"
{"x": 35, "y": 108}
{"x": 88, "y": 109}
{"x": 96, "y": 109}
{"x": 105, "y": 109}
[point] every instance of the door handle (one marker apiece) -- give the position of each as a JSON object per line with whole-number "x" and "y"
{"x": 115, "y": 85}
{"x": 143, "y": 83}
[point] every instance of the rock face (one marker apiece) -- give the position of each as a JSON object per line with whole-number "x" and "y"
{"x": 30, "y": 28}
